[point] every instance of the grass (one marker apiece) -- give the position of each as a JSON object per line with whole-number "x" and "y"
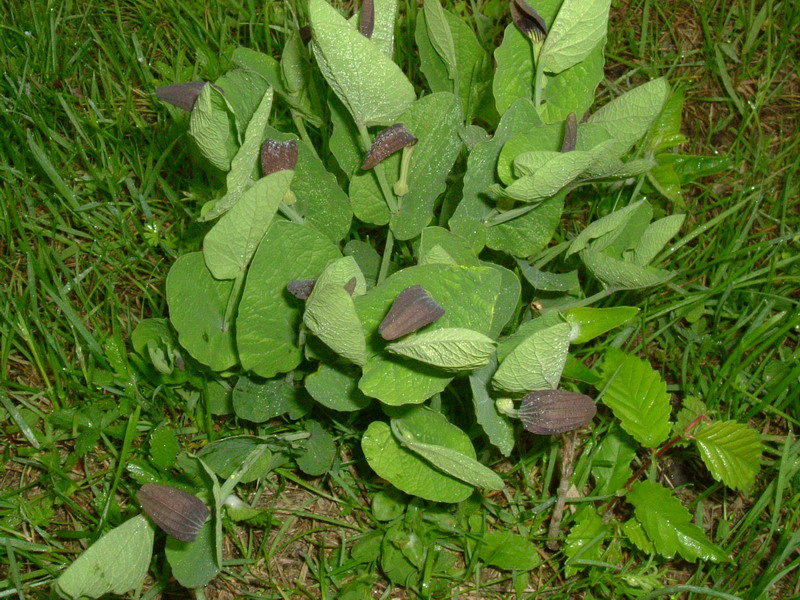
{"x": 94, "y": 208}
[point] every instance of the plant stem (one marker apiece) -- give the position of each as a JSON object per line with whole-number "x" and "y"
{"x": 233, "y": 300}
{"x": 391, "y": 201}
{"x": 290, "y": 213}
{"x": 567, "y": 455}
{"x": 301, "y": 129}
{"x": 387, "y": 255}
{"x": 538, "y": 78}
{"x": 502, "y": 217}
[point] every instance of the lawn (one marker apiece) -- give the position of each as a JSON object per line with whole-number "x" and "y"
{"x": 102, "y": 190}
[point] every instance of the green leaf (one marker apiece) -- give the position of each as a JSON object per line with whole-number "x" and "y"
{"x": 435, "y": 121}
{"x": 536, "y": 363}
{"x": 240, "y": 177}
{"x": 611, "y": 462}
{"x": 370, "y": 85}
{"x": 638, "y": 396}
{"x": 627, "y": 118}
{"x": 243, "y": 90}
{"x": 212, "y": 125}
{"x": 336, "y": 387}
{"x": 197, "y": 304}
{"x": 269, "y": 318}
{"x": 229, "y": 246}
{"x": 573, "y": 90}
{"x": 545, "y": 173}
{"x": 194, "y": 563}
{"x": 507, "y": 550}
{"x": 260, "y": 401}
{"x": 397, "y": 381}
{"x": 655, "y": 237}
{"x": 452, "y": 462}
{"x": 666, "y": 131}
{"x": 619, "y": 274}
{"x": 513, "y": 77}
{"x": 475, "y": 205}
{"x": 320, "y": 200}
{"x": 331, "y": 315}
{"x": 367, "y": 258}
{"x": 225, "y": 456}
{"x": 666, "y": 181}
{"x": 543, "y": 138}
{"x": 367, "y": 199}
{"x": 341, "y": 272}
{"x": 409, "y": 472}
{"x": 154, "y": 339}
{"x": 530, "y": 232}
{"x": 383, "y": 30}
{"x": 498, "y": 428}
{"x": 116, "y": 563}
{"x": 588, "y": 323}
{"x": 507, "y": 300}
{"x": 612, "y": 223}
{"x": 668, "y": 524}
{"x": 633, "y": 529}
{"x": 320, "y": 450}
{"x": 549, "y": 282}
{"x": 455, "y": 246}
{"x": 450, "y": 348}
{"x": 164, "y": 447}
{"x": 440, "y": 36}
{"x": 431, "y": 64}
{"x": 731, "y": 451}
{"x": 579, "y": 26}
{"x": 585, "y": 540}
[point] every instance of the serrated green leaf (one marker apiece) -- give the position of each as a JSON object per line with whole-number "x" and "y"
{"x": 229, "y": 246}
{"x": 577, "y": 29}
{"x": 585, "y": 540}
{"x": 536, "y": 363}
{"x": 268, "y": 319}
{"x": 668, "y": 524}
{"x": 371, "y": 86}
{"x": 454, "y": 463}
{"x": 409, "y": 472}
{"x": 337, "y": 388}
{"x": 655, "y": 237}
{"x": 212, "y": 125}
{"x": 507, "y": 550}
{"x": 116, "y": 563}
{"x": 240, "y": 176}
{"x": 197, "y": 304}
{"x": 638, "y": 396}
{"x": 731, "y": 451}
{"x": 633, "y": 529}
{"x": 450, "y": 348}
{"x": 587, "y": 323}
{"x": 691, "y": 408}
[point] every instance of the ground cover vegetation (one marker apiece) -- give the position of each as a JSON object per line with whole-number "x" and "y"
{"x": 476, "y": 299}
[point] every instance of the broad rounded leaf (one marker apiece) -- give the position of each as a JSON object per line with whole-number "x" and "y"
{"x": 410, "y": 472}
{"x": 507, "y": 550}
{"x": 336, "y": 388}
{"x": 116, "y": 563}
{"x": 331, "y": 316}
{"x": 587, "y": 323}
{"x": 731, "y": 451}
{"x": 197, "y": 304}
{"x": 580, "y": 24}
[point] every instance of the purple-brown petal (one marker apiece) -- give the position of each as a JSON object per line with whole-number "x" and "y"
{"x": 366, "y": 23}
{"x": 411, "y": 310}
{"x": 527, "y": 20}
{"x": 570, "y": 133}
{"x": 545, "y": 412}
{"x": 301, "y": 288}
{"x": 182, "y": 95}
{"x": 387, "y": 142}
{"x": 278, "y": 156}
{"x": 180, "y": 514}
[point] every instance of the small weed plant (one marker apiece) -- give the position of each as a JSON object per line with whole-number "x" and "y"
{"x": 399, "y": 263}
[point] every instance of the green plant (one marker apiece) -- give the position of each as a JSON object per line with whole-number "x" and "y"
{"x": 235, "y": 330}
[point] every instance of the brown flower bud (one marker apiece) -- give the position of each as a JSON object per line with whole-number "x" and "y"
{"x": 411, "y": 310}
{"x": 570, "y": 133}
{"x": 387, "y": 142}
{"x": 182, "y": 95}
{"x": 366, "y": 23}
{"x": 528, "y": 21}
{"x": 546, "y": 412}
{"x": 278, "y": 156}
{"x": 180, "y": 514}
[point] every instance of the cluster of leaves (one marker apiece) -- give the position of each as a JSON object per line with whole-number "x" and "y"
{"x": 486, "y": 179}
